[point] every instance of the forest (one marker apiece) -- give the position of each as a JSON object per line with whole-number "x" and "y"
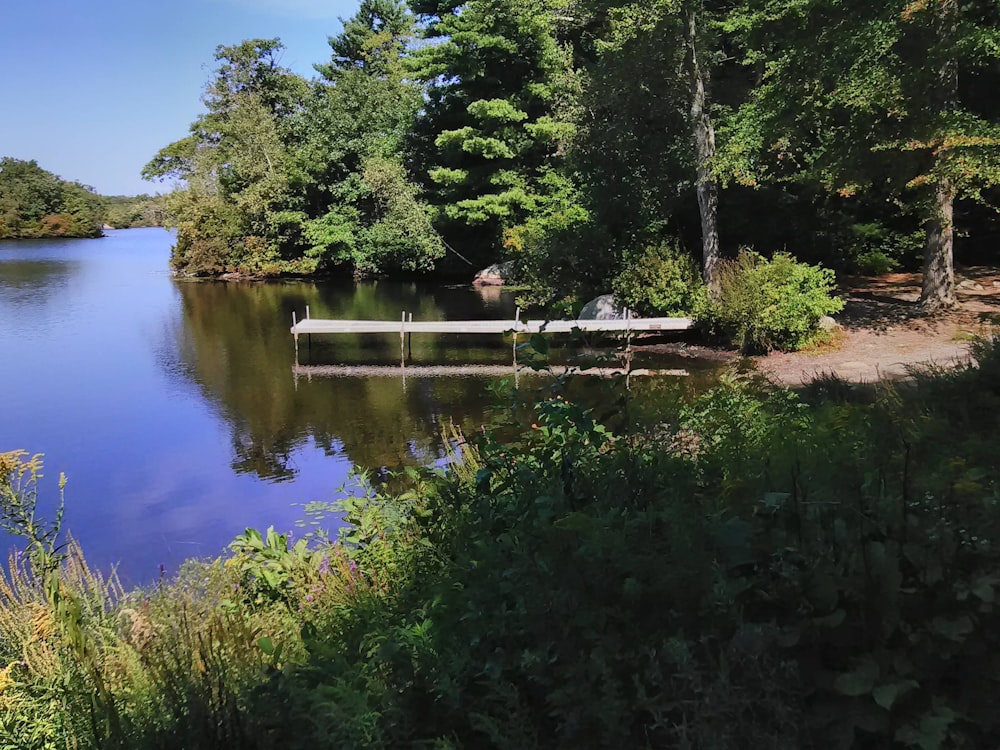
{"x": 581, "y": 140}
{"x": 36, "y": 204}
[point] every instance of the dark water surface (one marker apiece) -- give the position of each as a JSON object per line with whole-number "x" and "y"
{"x": 176, "y": 411}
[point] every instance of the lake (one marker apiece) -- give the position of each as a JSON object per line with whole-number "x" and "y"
{"x": 176, "y": 408}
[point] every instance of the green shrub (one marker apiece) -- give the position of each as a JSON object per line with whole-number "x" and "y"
{"x": 660, "y": 280}
{"x": 874, "y": 249}
{"x": 875, "y": 263}
{"x": 772, "y": 304}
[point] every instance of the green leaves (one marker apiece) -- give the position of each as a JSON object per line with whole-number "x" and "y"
{"x": 284, "y": 176}
{"x": 500, "y": 110}
{"x": 332, "y": 238}
{"x": 931, "y": 733}
{"x": 659, "y": 280}
{"x": 494, "y": 79}
{"x": 866, "y": 678}
{"x": 860, "y": 97}
{"x": 860, "y": 680}
{"x": 488, "y": 148}
{"x": 772, "y": 304}
{"x": 954, "y": 629}
{"x": 268, "y": 564}
{"x": 454, "y": 138}
{"x": 886, "y": 695}
{"x": 445, "y": 176}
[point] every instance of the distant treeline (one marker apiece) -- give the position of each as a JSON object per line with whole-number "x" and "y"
{"x": 35, "y": 203}
{"x": 130, "y": 211}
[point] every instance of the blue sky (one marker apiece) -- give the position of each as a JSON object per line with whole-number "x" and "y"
{"x": 92, "y": 89}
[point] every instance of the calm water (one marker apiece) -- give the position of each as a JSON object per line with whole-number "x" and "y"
{"x": 175, "y": 407}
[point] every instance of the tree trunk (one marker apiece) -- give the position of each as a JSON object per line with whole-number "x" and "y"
{"x": 938, "y": 290}
{"x": 707, "y": 186}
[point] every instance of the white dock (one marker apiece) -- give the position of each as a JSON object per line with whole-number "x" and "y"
{"x": 458, "y": 371}
{"x": 635, "y": 325}
{"x": 406, "y": 325}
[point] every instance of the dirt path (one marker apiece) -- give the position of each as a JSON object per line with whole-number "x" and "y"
{"x": 884, "y": 331}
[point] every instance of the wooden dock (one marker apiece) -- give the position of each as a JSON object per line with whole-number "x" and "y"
{"x": 406, "y": 325}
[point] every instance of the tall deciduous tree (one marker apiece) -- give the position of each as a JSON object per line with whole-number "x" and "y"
{"x": 856, "y": 94}
{"x": 236, "y": 165}
{"x": 678, "y": 37}
{"x": 703, "y": 132}
{"x": 284, "y": 176}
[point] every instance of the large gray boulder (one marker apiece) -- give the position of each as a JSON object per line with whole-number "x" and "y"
{"x": 602, "y": 308}
{"x": 495, "y": 275}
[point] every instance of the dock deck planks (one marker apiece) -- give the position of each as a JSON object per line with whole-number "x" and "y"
{"x": 633, "y": 325}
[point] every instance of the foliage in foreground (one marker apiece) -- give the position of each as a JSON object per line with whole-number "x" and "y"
{"x": 775, "y": 569}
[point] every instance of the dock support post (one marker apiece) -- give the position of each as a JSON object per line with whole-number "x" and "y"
{"x": 628, "y": 330}
{"x": 513, "y": 346}
{"x": 517, "y": 324}
{"x": 628, "y": 349}
{"x": 402, "y": 339}
{"x": 295, "y": 335}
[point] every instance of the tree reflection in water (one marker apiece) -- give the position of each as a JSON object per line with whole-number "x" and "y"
{"x": 234, "y": 344}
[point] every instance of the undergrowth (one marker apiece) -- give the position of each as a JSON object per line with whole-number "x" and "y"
{"x": 780, "y": 569}
{"x": 765, "y": 304}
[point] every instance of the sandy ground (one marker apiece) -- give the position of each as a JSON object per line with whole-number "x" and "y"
{"x": 884, "y": 331}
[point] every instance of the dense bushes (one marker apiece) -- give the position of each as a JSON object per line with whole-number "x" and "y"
{"x": 771, "y": 304}
{"x": 773, "y": 570}
{"x": 876, "y": 249}
{"x": 762, "y": 304}
{"x": 660, "y": 280}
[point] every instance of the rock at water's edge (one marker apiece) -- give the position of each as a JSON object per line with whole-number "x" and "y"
{"x": 602, "y": 308}
{"x": 495, "y": 275}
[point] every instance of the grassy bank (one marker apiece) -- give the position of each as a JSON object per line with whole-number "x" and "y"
{"x": 770, "y": 569}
